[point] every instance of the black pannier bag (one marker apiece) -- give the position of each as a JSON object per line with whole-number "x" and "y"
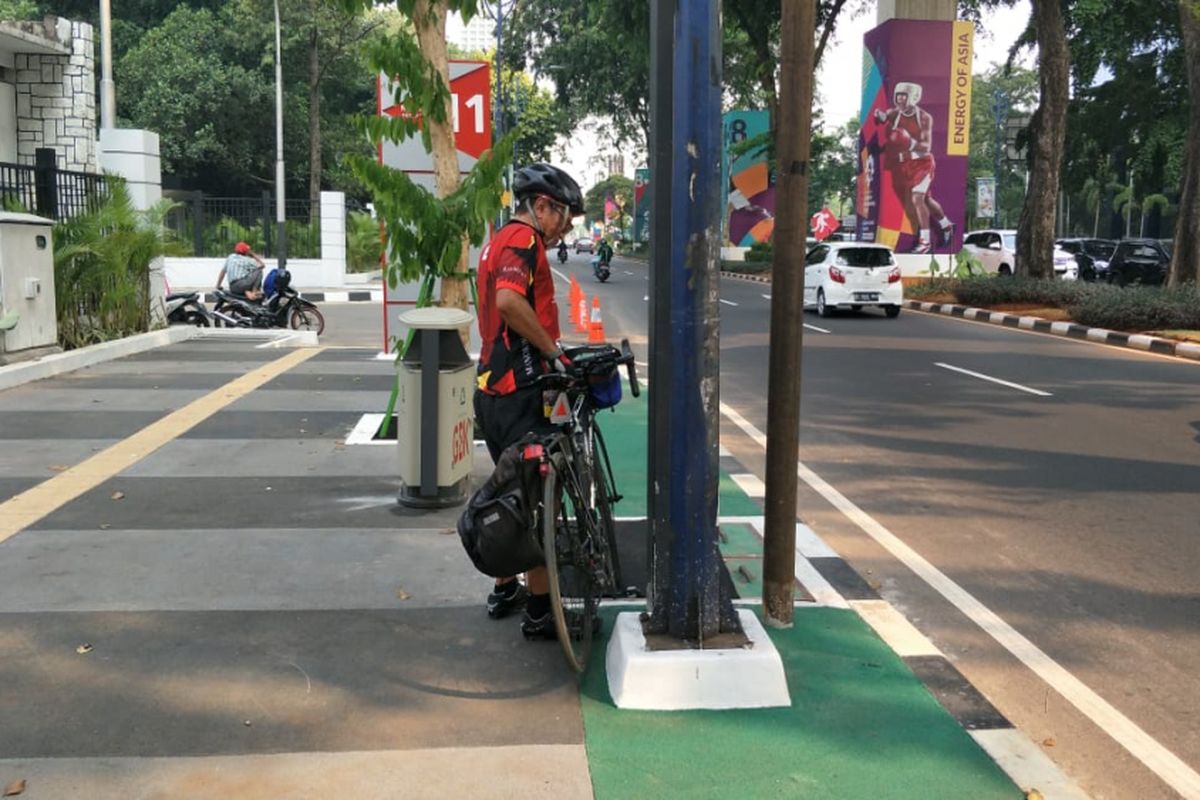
{"x": 498, "y": 526}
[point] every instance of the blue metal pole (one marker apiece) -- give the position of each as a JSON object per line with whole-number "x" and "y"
{"x": 687, "y": 598}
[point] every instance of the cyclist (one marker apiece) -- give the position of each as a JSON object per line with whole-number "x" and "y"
{"x": 518, "y": 328}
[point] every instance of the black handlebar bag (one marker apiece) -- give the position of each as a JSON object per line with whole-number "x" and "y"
{"x": 498, "y": 528}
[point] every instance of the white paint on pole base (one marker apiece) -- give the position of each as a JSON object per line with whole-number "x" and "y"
{"x": 674, "y": 680}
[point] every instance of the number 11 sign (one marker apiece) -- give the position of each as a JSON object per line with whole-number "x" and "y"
{"x": 470, "y": 94}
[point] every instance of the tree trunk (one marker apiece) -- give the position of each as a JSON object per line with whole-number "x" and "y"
{"x": 1185, "y": 259}
{"x": 794, "y": 150}
{"x": 1048, "y": 129}
{"x": 314, "y": 119}
{"x": 429, "y": 18}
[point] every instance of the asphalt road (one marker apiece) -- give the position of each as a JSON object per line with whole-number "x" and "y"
{"x": 1065, "y": 500}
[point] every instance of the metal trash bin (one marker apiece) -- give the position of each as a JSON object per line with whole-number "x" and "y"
{"x": 435, "y": 419}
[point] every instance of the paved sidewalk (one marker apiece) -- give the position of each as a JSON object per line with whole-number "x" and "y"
{"x": 205, "y": 591}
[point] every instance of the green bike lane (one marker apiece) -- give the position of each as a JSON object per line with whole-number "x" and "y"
{"x": 860, "y": 724}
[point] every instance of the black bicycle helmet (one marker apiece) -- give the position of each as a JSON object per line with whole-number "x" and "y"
{"x": 547, "y": 179}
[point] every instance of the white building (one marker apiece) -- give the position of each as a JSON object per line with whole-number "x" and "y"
{"x": 478, "y": 35}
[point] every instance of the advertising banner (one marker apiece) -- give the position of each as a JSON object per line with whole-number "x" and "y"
{"x": 915, "y": 135}
{"x": 641, "y": 204}
{"x": 985, "y": 198}
{"x": 470, "y": 97}
{"x": 750, "y": 200}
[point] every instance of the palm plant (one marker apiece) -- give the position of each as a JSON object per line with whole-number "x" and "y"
{"x": 102, "y": 262}
{"x": 364, "y": 242}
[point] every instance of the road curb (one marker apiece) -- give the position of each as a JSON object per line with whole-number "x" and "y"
{"x": 23, "y": 372}
{"x": 1070, "y": 330}
{"x": 323, "y": 296}
{"x": 56, "y": 364}
{"x": 744, "y": 277}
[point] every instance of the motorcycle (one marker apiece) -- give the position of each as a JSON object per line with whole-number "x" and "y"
{"x": 562, "y": 252}
{"x": 186, "y": 308}
{"x": 600, "y": 268}
{"x": 284, "y": 308}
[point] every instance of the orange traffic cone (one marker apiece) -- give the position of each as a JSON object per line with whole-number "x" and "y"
{"x": 581, "y": 316}
{"x": 596, "y": 324}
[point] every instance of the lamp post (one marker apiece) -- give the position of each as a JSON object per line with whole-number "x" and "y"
{"x": 1000, "y": 110}
{"x": 108, "y": 95}
{"x": 280, "y": 216}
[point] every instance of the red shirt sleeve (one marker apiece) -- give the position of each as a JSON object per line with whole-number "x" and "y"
{"x": 512, "y": 272}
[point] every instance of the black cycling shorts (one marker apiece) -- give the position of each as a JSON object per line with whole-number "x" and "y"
{"x": 505, "y": 418}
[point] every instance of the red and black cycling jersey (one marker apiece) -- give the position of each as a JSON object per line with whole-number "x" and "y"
{"x": 514, "y": 259}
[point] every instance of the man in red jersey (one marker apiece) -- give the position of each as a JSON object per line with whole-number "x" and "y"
{"x": 908, "y": 153}
{"x": 518, "y": 328}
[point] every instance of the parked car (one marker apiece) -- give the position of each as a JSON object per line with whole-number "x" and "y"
{"x": 1143, "y": 261}
{"x": 1092, "y": 256}
{"x": 996, "y": 249}
{"x": 584, "y": 246}
{"x": 851, "y": 275}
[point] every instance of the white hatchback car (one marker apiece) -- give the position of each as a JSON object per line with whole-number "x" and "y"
{"x": 849, "y": 275}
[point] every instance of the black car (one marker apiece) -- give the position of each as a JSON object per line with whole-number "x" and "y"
{"x": 1092, "y": 256}
{"x": 1142, "y": 261}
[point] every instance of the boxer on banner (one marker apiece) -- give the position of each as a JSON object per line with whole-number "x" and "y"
{"x": 908, "y": 154}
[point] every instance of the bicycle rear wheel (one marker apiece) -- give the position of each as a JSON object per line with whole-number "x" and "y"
{"x": 569, "y": 568}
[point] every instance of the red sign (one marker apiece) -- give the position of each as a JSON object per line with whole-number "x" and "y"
{"x": 470, "y": 97}
{"x": 824, "y": 222}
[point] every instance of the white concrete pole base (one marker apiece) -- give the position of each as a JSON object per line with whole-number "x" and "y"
{"x": 672, "y": 680}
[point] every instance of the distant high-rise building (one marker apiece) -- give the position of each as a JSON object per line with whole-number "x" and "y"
{"x": 478, "y": 34}
{"x": 616, "y": 164}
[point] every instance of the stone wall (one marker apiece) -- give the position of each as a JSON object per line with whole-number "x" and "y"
{"x": 56, "y": 97}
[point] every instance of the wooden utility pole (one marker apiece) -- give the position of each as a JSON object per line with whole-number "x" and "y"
{"x": 792, "y": 147}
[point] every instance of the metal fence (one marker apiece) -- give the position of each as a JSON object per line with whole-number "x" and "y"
{"x": 48, "y": 191}
{"x": 213, "y": 225}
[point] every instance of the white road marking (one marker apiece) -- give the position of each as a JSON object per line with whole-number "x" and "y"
{"x": 566, "y": 278}
{"x": 815, "y": 328}
{"x": 647, "y": 297}
{"x": 729, "y": 302}
{"x": 627, "y": 272}
{"x": 766, "y": 297}
{"x": 894, "y": 628}
{"x": 1027, "y": 764}
{"x": 981, "y": 376}
{"x": 749, "y": 483}
{"x": 1124, "y": 731}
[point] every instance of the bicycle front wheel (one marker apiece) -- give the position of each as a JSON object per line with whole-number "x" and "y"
{"x": 569, "y": 567}
{"x": 605, "y": 495}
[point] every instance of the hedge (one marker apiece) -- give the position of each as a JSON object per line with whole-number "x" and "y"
{"x": 1133, "y": 308}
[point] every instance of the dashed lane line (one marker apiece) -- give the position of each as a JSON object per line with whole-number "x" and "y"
{"x": 1162, "y": 762}
{"x": 33, "y": 504}
{"x": 728, "y": 302}
{"x": 815, "y": 328}
{"x": 983, "y": 377}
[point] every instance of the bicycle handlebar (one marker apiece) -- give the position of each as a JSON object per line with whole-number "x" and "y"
{"x": 589, "y": 358}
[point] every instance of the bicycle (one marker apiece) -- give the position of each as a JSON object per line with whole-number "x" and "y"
{"x": 576, "y": 517}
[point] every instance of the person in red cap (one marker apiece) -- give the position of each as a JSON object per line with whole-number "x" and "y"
{"x": 244, "y": 268}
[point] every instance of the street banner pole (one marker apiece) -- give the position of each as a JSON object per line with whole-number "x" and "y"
{"x": 687, "y": 599}
{"x": 787, "y": 302}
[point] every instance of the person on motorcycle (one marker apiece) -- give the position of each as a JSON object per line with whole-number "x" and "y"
{"x": 562, "y": 250}
{"x": 605, "y": 252}
{"x": 518, "y": 328}
{"x": 244, "y": 268}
